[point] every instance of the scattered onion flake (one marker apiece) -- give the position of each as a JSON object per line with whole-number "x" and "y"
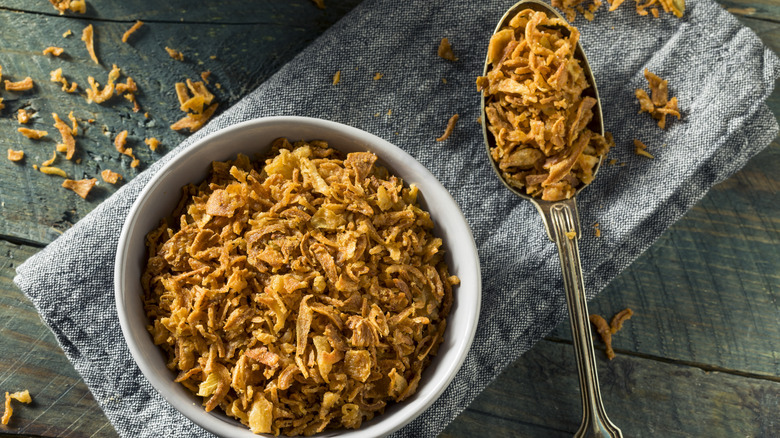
{"x": 56, "y": 76}
{"x": 21, "y": 396}
{"x": 110, "y": 176}
{"x": 95, "y": 94}
{"x": 194, "y": 103}
{"x": 119, "y": 142}
{"x": 193, "y": 97}
{"x": 175, "y": 54}
{"x": 79, "y": 6}
{"x": 128, "y": 89}
{"x": 15, "y": 155}
{"x": 23, "y": 85}
{"x": 68, "y": 144}
{"x": 571, "y": 7}
{"x": 606, "y": 331}
{"x": 337, "y": 77}
{"x": 22, "y": 116}
{"x": 33, "y": 134}
{"x": 153, "y": 143}
{"x": 193, "y": 122}
{"x": 55, "y": 51}
{"x": 51, "y": 160}
{"x": 445, "y": 50}
{"x": 657, "y": 104}
{"x": 320, "y": 3}
{"x": 132, "y": 29}
{"x": 205, "y": 76}
{"x": 82, "y": 187}
{"x": 450, "y": 127}
{"x": 49, "y": 170}
{"x": 88, "y": 36}
{"x": 641, "y": 149}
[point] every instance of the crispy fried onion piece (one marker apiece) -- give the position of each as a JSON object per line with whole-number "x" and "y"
{"x": 22, "y": 116}
{"x": 320, "y": 3}
{"x": 33, "y": 134}
{"x": 95, "y": 94}
{"x": 21, "y": 396}
{"x": 193, "y": 122}
{"x": 676, "y": 7}
{"x": 50, "y": 170}
{"x": 137, "y": 25}
{"x": 88, "y": 36}
{"x": 641, "y": 149}
{"x": 23, "y": 85}
{"x": 110, "y": 176}
{"x": 606, "y": 331}
{"x": 535, "y": 108}
{"x": 79, "y": 6}
{"x": 450, "y": 127}
{"x": 303, "y": 293}
{"x": 54, "y": 51}
{"x": 571, "y": 7}
{"x": 658, "y": 103}
{"x": 56, "y": 76}
{"x": 445, "y": 50}
{"x": 81, "y": 187}
{"x": 152, "y": 142}
{"x": 128, "y": 89}
{"x": 120, "y": 142}
{"x": 175, "y": 54}
{"x": 193, "y": 99}
{"x": 68, "y": 144}
{"x": 15, "y": 155}
{"x": 51, "y": 160}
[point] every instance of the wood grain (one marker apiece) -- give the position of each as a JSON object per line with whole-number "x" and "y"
{"x": 34, "y": 207}
{"x": 539, "y": 396}
{"x": 31, "y": 359}
{"x": 708, "y": 290}
{"x": 292, "y": 13}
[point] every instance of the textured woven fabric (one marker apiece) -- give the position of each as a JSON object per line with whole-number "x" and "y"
{"x": 718, "y": 69}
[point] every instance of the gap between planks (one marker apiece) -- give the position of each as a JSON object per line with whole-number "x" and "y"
{"x": 21, "y": 241}
{"x": 702, "y": 366}
{"x": 152, "y": 21}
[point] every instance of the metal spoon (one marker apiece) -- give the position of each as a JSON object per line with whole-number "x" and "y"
{"x": 560, "y": 218}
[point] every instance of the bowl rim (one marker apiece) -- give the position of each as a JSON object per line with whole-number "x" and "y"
{"x": 414, "y": 405}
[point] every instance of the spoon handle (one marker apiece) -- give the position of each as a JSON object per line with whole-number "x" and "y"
{"x": 562, "y": 223}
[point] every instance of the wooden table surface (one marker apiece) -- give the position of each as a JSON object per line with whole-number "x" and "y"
{"x": 700, "y": 358}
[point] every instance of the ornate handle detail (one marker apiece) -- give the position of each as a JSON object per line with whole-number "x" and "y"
{"x": 562, "y": 223}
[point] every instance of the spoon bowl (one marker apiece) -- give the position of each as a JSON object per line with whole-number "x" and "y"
{"x": 561, "y": 221}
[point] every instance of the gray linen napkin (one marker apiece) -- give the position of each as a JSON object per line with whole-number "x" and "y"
{"x": 718, "y": 69}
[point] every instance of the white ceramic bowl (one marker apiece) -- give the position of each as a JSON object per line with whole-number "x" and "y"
{"x": 161, "y": 195}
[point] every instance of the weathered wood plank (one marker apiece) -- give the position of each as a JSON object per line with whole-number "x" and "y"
{"x": 708, "y": 290}
{"x": 538, "y": 396}
{"x": 759, "y": 9}
{"x": 282, "y": 12}
{"x": 31, "y": 359}
{"x": 34, "y": 206}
